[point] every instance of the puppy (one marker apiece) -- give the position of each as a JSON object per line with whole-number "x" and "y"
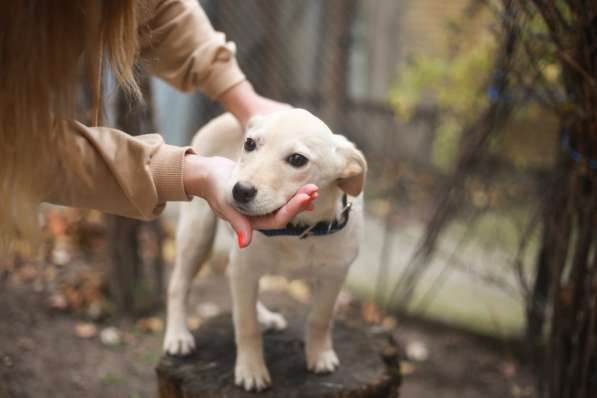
{"x": 278, "y": 154}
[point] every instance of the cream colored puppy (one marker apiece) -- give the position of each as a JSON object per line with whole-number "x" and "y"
{"x": 278, "y": 154}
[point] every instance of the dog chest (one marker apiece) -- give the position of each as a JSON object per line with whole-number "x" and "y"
{"x": 300, "y": 258}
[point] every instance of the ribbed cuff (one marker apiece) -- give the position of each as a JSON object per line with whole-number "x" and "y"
{"x": 226, "y": 72}
{"x": 167, "y": 166}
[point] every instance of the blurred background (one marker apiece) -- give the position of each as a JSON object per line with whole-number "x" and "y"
{"x": 478, "y": 120}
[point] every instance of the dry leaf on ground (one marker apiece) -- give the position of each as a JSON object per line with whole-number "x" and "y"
{"x": 371, "y": 312}
{"x": 110, "y": 336}
{"x": 85, "y": 330}
{"x": 152, "y": 324}
{"x": 300, "y": 291}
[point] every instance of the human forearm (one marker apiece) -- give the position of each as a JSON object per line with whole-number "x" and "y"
{"x": 243, "y": 102}
{"x": 114, "y": 172}
{"x": 179, "y": 44}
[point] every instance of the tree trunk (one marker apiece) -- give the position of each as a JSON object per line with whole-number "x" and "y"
{"x": 339, "y": 16}
{"x": 129, "y": 287}
{"x": 570, "y": 219}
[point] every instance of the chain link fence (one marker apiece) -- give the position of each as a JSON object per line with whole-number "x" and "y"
{"x": 307, "y": 54}
{"x": 340, "y": 60}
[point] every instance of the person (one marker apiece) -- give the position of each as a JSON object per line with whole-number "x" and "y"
{"x": 46, "y": 156}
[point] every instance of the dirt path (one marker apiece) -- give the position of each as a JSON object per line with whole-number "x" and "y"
{"x": 41, "y": 356}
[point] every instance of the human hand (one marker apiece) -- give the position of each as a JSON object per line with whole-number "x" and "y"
{"x": 206, "y": 177}
{"x": 243, "y": 102}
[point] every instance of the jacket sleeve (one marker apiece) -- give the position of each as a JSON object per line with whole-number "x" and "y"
{"x": 179, "y": 45}
{"x": 117, "y": 173}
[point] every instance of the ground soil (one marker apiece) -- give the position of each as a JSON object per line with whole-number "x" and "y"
{"x": 41, "y": 356}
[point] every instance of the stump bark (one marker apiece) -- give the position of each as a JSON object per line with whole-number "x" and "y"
{"x": 369, "y": 365}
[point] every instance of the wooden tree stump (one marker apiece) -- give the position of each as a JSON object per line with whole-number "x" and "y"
{"x": 369, "y": 365}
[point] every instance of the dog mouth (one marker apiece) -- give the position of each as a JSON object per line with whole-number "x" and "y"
{"x": 252, "y": 212}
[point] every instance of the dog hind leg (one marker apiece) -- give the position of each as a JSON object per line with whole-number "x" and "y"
{"x": 270, "y": 320}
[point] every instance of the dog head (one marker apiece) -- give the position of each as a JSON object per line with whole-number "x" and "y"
{"x": 284, "y": 151}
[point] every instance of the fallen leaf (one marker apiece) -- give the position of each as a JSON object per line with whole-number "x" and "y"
{"x": 371, "y": 312}
{"x": 58, "y": 302}
{"x": 300, "y": 291}
{"x": 344, "y": 299}
{"x": 407, "y": 368}
{"x": 110, "y": 336}
{"x": 273, "y": 283}
{"x": 85, "y": 330}
{"x": 417, "y": 351}
{"x": 389, "y": 323}
{"x": 193, "y": 323}
{"x": 152, "y": 324}
{"x": 60, "y": 256}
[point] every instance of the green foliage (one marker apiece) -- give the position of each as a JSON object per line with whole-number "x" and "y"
{"x": 445, "y": 145}
{"x": 454, "y": 85}
{"x": 453, "y": 82}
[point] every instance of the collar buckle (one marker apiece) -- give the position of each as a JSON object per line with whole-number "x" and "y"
{"x": 307, "y": 232}
{"x": 334, "y": 224}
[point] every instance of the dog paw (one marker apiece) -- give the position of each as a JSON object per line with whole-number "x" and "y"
{"x": 178, "y": 342}
{"x": 323, "y": 362}
{"x": 272, "y": 321}
{"x": 251, "y": 374}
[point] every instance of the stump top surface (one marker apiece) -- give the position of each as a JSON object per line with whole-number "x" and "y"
{"x": 209, "y": 371}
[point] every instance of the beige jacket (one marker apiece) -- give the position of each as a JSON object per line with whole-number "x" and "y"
{"x": 136, "y": 176}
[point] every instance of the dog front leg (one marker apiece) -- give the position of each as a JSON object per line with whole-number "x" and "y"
{"x": 319, "y": 351}
{"x": 250, "y": 371}
{"x": 195, "y": 236}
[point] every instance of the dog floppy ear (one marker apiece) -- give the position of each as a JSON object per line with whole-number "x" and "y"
{"x": 353, "y": 168}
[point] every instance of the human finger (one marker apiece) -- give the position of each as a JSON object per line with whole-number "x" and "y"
{"x": 241, "y": 225}
{"x": 296, "y": 204}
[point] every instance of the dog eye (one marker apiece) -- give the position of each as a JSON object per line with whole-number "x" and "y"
{"x": 250, "y": 145}
{"x": 297, "y": 160}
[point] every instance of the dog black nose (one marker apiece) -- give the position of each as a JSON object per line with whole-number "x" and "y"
{"x": 244, "y": 192}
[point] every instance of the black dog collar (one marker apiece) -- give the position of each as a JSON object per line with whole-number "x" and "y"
{"x": 319, "y": 229}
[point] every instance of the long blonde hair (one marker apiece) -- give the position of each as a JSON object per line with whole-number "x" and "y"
{"x": 44, "y": 46}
